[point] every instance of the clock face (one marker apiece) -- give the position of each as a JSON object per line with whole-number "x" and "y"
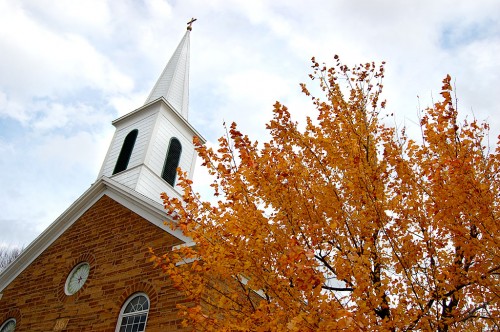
{"x": 8, "y": 326}
{"x": 77, "y": 278}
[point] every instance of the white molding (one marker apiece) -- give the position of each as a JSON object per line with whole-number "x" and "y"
{"x": 184, "y": 245}
{"x": 185, "y": 260}
{"x": 124, "y": 306}
{"x": 140, "y": 204}
{"x": 176, "y": 114}
{"x": 245, "y": 281}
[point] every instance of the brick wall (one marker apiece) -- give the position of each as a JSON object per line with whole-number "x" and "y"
{"x": 114, "y": 240}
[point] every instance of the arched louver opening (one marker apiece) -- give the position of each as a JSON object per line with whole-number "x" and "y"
{"x": 172, "y": 161}
{"x": 126, "y": 151}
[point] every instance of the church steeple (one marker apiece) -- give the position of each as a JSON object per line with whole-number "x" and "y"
{"x": 152, "y": 141}
{"x": 173, "y": 83}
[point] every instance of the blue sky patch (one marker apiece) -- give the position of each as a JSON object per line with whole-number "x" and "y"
{"x": 460, "y": 34}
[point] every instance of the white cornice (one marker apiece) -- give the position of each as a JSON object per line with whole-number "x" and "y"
{"x": 169, "y": 107}
{"x": 143, "y": 206}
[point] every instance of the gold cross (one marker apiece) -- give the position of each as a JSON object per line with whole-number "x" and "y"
{"x": 190, "y": 23}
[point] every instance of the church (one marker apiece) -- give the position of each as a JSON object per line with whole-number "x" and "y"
{"x": 90, "y": 270}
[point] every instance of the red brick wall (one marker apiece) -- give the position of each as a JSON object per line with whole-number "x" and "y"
{"x": 114, "y": 241}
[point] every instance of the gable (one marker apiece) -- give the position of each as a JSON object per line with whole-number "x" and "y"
{"x": 114, "y": 241}
{"x": 148, "y": 209}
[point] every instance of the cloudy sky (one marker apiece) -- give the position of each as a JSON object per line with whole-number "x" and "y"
{"x": 68, "y": 68}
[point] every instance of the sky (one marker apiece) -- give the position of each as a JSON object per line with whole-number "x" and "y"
{"x": 68, "y": 68}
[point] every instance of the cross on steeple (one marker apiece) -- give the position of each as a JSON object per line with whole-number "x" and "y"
{"x": 190, "y": 23}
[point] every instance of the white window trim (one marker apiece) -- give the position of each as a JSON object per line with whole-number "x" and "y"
{"x": 70, "y": 275}
{"x": 125, "y": 304}
{"x": 7, "y": 322}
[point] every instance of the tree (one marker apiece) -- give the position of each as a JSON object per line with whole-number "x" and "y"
{"x": 347, "y": 224}
{"x": 8, "y": 255}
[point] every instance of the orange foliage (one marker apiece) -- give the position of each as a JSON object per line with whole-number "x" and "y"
{"x": 345, "y": 225}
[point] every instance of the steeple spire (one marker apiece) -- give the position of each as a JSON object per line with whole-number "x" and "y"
{"x": 153, "y": 140}
{"x": 173, "y": 83}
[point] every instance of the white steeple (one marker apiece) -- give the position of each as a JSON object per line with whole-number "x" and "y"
{"x": 173, "y": 83}
{"x": 152, "y": 141}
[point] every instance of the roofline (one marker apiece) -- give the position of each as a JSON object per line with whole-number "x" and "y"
{"x": 177, "y": 114}
{"x": 140, "y": 204}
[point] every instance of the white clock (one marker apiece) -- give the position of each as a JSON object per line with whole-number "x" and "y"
{"x": 77, "y": 278}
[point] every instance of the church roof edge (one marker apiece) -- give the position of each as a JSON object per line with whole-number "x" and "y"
{"x": 174, "y": 112}
{"x": 136, "y": 202}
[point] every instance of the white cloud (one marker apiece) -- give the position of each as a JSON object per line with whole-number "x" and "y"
{"x": 67, "y": 152}
{"x": 12, "y": 109}
{"x": 38, "y": 61}
{"x": 69, "y": 67}
{"x": 160, "y": 9}
{"x": 78, "y": 15}
{"x": 126, "y": 103}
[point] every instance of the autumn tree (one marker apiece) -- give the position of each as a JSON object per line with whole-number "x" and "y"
{"x": 347, "y": 224}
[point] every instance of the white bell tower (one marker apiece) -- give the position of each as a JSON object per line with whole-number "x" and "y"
{"x": 152, "y": 141}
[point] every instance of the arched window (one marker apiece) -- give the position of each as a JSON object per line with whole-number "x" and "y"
{"x": 8, "y": 326}
{"x": 134, "y": 314}
{"x": 126, "y": 151}
{"x": 172, "y": 161}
